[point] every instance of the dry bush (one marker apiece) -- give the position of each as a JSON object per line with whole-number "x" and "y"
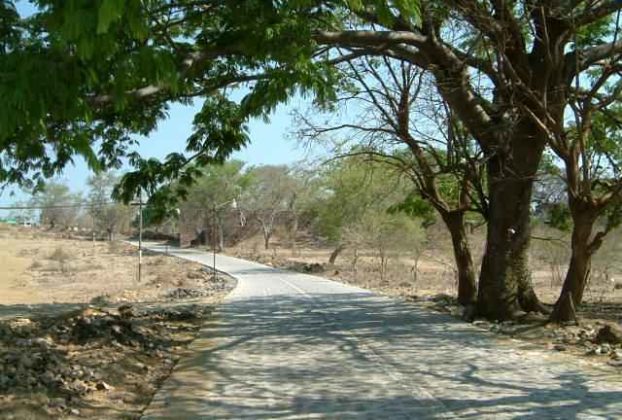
{"x": 36, "y": 264}
{"x": 59, "y": 255}
{"x": 113, "y": 247}
{"x": 388, "y": 235}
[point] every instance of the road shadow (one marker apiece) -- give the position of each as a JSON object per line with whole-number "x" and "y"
{"x": 357, "y": 355}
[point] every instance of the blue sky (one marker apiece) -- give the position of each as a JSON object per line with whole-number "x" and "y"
{"x": 270, "y": 142}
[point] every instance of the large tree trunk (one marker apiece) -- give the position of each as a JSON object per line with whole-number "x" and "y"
{"x": 505, "y": 281}
{"x": 467, "y": 287}
{"x": 580, "y": 265}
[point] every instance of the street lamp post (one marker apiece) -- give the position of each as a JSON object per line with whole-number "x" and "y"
{"x": 215, "y": 207}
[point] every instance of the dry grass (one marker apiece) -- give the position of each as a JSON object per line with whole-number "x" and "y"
{"x": 40, "y": 268}
{"x": 46, "y": 282}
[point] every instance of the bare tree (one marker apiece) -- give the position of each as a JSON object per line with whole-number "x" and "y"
{"x": 507, "y": 74}
{"x": 59, "y": 207}
{"x": 107, "y": 216}
{"x": 402, "y": 122}
{"x": 271, "y": 194}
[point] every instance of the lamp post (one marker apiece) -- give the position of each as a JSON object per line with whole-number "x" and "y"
{"x": 215, "y": 207}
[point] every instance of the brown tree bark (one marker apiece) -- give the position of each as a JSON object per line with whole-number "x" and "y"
{"x": 564, "y": 309}
{"x": 583, "y": 247}
{"x": 505, "y": 282}
{"x": 266, "y": 239}
{"x": 336, "y": 252}
{"x": 467, "y": 287}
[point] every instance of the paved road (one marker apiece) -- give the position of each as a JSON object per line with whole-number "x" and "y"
{"x": 288, "y": 345}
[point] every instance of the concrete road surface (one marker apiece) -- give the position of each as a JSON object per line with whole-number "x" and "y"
{"x": 289, "y": 345}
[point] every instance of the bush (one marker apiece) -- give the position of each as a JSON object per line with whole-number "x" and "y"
{"x": 59, "y": 255}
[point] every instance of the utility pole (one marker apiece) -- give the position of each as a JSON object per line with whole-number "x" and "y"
{"x": 214, "y": 242}
{"x": 140, "y": 233}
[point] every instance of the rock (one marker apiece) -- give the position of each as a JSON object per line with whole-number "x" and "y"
{"x": 50, "y": 378}
{"x": 26, "y": 361}
{"x": 21, "y": 323}
{"x": 74, "y": 412}
{"x": 616, "y": 354}
{"x": 559, "y": 347}
{"x": 616, "y": 363}
{"x": 57, "y": 403}
{"x": 126, "y": 311}
{"x": 185, "y": 293}
{"x": 78, "y": 386}
{"x": 103, "y": 386}
{"x": 481, "y": 323}
{"x": 194, "y": 275}
{"x": 609, "y": 334}
{"x": 591, "y": 352}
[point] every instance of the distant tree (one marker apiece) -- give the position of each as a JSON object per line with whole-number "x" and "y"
{"x": 216, "y": 185}
{"x": 350, "y": 188}
{"x": 270, "y": 197}
{"x": 403, "y": 122}
{"x": 108, "y": 216}
{"x": 59, "y": 207}
{"x": 387, "y": 234}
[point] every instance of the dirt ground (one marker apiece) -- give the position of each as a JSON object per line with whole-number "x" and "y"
{"x": 429, "y": 279}
{"x": 80, "y": 337}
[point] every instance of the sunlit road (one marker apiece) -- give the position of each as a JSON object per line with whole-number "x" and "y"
{"x": 288, "y": 345}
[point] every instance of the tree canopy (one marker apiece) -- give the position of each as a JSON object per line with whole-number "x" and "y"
{"x": 84, "y": 77}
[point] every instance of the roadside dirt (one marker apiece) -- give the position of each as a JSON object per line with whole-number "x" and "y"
{"x": 80, "y": 337}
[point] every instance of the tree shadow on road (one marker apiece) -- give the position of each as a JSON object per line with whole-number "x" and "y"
{"x": 357, "y": 355}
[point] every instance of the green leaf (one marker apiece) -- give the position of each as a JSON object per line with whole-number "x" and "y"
{"x": 109, "y": 11}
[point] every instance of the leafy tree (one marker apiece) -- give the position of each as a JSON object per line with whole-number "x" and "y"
{"x": 108, "y": 216}
{"x": 271, "y": 196}
{"x": 351, "y": 188}
{"x": 403, "y": 122}
{"x": 59, "y": 207}
{"x": 210, "y": 197}
{"x": 93, "y": 73}
{"x": 387, "y": 234}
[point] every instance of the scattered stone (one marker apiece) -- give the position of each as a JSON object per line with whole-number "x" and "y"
{"x": 126, "y": 311}
{"x": 609, "y": 334}
{"x": 103, "y": 386}
{"x": 186, "y": 293}
{"x": 559, "y": 347}
{"x": 195, "y": 275}
{"x": 57, "y": 403}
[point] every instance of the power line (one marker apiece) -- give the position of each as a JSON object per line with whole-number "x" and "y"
{"x": 56, "y": 206}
